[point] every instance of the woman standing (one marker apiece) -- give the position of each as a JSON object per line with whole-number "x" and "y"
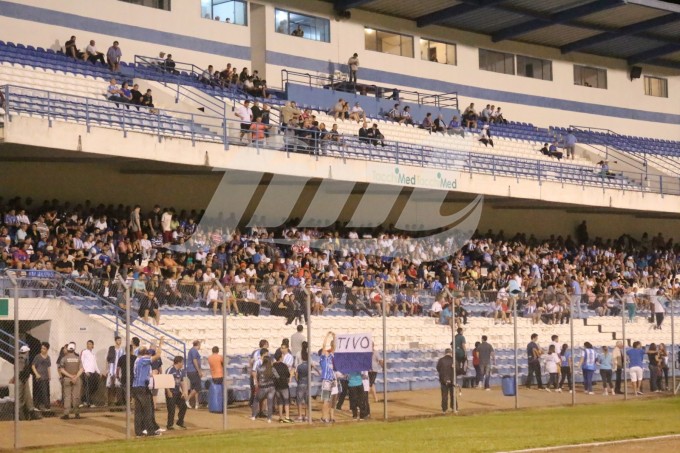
{"x": 264, "y": 388}
{"x": 587, "y": 364}
{"x": 605, "y": 361}
{"x": 653, "y": 358}
{"x": 565, "y": 367}
{"x": 475, "y": 363}
{"x": 552, "y": 366}
{"x": 663, "y": 367}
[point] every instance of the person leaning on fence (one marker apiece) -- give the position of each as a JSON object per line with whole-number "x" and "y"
{"x": 71, "y": 369}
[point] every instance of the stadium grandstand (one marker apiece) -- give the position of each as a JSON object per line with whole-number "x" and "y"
{"x": 218, "y": 173}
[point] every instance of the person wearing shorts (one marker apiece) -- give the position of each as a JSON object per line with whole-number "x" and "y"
{"x": 194, "y": 373}
{"x": 302, "y": 395}
{"x": 635, "y": 357}
{"x": 328, "y": 382}
{"x": 244, "y": 113}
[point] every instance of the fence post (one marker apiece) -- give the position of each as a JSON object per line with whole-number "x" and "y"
{"x": 309, "y": 356}
{"x": 225, "y": 390}
{"x": 16, "y": 359}
{"x": 128, "y": 351}
{"x": 87, "y": 114}
{"x": 49, "y": 108}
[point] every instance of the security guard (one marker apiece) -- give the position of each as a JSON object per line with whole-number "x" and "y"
{"x": 70, "y": 369}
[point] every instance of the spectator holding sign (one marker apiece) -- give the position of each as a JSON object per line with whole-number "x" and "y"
{"x": 328, "y": 380}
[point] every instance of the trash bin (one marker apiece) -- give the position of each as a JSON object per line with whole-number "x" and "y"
{"x": 215, "y": 399}
{"x": 508, "y": 384}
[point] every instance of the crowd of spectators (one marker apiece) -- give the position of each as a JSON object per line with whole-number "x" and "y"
{"x": 123, "y": 94}
{"x": 93, "y": 55}
{"x": 173, "y": 261}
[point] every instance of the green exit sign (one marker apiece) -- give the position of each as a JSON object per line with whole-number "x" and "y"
{"x": 4, "y": 307}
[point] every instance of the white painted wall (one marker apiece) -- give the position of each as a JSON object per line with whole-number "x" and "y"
{"x": 348, "y": 37}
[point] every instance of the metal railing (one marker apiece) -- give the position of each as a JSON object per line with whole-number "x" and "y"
{"x": 7, "y": 345}
{"x": 218, "y": 129}
{"x": 439, "y": 100}
{"x": 174, "y": 78}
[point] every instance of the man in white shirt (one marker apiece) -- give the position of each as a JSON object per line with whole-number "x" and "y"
{"x": 90, "y": 375}
{"x": 166, "y": 225}
{"x": 244, "y": 113}
{"x": 92, "y": 54}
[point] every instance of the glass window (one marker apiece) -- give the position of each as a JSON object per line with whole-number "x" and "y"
{"x": 590, "y": 77}
{"x": 230, "y": 11}
{"x": 534, "y": 68}
{"x": 656, "y": 86}
{"x": 303, "y": 26}
{"x": 158, "y": 4}
{"x": 496, "y": 61}
{"x": 386, "y": 42}
{"x": 438, "y": 52}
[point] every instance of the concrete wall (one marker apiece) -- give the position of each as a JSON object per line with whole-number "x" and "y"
{"x": 623, "y": 107}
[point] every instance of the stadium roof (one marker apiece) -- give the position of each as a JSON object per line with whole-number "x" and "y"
{"x": 638, "y": 31}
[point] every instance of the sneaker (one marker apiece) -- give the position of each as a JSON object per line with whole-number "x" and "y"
{"x": 269, "y": 420}
{"x": 160, "y": 430}
{"x": 487, "y": 389}
{"x": 559, "y": 390}
{"x": 591, "y": 393}
{"x": 188, "y": 405}
{"x": 65, "y": 417}
{"x": 287, "y": 420}
{"x": 253, "y": 418}
{"x": 170, "y": 428}
{"x": 181, "y": 425}
{"x": 547, "y": 389}
{"x": 145, "y": 433}
{"x": 571, "y": 391}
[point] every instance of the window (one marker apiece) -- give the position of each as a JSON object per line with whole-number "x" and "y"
{"x": 158, "y": 4}
{"x": 656, "y": 86}
{"x": 496, "y": 61}
{"x": 534, "y": 68}
{"x": 590, "y": 77}
{"x": 386, "y": 42}
{"x": 438, "y": 52}
{"x": 230, "y": 11}
{"x": 303, "y": 26}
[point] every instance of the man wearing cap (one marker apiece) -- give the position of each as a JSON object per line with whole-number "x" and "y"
{"x": 22, "y": 389}
{"x": 445, "y": 371}
{"x": 71, "y": 369}
{"x": 145, "y": 421}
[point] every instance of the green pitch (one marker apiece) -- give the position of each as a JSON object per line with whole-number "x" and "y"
{"x": 475, "y": 433}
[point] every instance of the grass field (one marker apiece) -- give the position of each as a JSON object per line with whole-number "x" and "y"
{"x": 488, "y": 432}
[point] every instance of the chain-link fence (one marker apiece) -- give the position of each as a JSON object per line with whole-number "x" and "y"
{"x": 222, "y": 322}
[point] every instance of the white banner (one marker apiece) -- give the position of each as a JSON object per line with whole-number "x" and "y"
{"x": 353, "y": 342}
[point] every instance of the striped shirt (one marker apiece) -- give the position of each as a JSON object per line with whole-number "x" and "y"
{"x": 326, "y": 363}
{"x": 589, "y": 357}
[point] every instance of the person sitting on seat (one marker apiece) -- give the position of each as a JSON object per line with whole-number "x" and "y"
{"x": 395, "y": 114}
{"x": 363, "y": 133}
{"x": 497, "y": 117}
{"x": 485, "y": 136}
{"x": 554, "y": 152}
{"x": 71, "y": 49}
{"x": 455, "y": 128}
{"x": 470, "y": 116}
{"x": 427, "y": 123}
{"x": 376, "y": 136}
{"x": 406, "y": 116}
{"x": 93, "y": 55}
{"x": 357, "y": 114}
{"x": 169, "y": 64}
{"x": 439, "y": 124}
{"x": 114, "y": 93}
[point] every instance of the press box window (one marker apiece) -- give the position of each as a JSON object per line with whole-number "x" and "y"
{"x": 590, "y": 77}
{"x": 230, "y": 11}
{"x": 534, "y": 68}
{"x": 386, "y": 42}
{"x": 303, "y": 26}
{"x": 490, "y": 60}
{"x": 438, "y": 52}
{"x": 158, "y": 4}
{"x": 655, "y": 86}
